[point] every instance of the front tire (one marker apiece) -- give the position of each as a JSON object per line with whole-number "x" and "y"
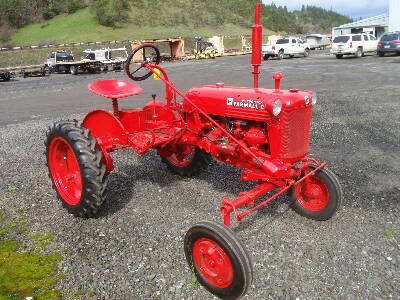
{"x": 184, "y": 161}
{"x": 339, "y": 56}
{"x": 218, "y": 260}
{"x": 306, "y": 53}
{"x": 76, "y": 168}
{"x": 318, "y": 197}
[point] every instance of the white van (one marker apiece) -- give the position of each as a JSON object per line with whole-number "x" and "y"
{"x": 353, "y": 44}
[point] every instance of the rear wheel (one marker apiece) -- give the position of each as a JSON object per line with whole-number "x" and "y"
{"x": 6, "y": 77}
{"x": 280, "y": 55}
{"x": 76, "y": 168}
{"x": 339, "y": 56}
{"x": 218, "y": 260}
{"x": 73, "y": 70}
{"x": 359, "y": 52}
{"x": 184, "y": 160}
{"x": 381, "y": 54}
{"x": 318, "y": 197}
{"x": 266, "y": 57}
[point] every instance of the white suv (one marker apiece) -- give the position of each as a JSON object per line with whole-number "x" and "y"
{"x": 354, "y": 44}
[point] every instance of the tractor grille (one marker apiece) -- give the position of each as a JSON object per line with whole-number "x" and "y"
{"x": 295, "y": 132}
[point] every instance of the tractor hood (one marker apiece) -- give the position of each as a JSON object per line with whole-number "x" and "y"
{"x": 245, "y": 103}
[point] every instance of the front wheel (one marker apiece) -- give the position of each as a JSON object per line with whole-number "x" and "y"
{"x": 306, "y": 53}
{"x": 76, "y": 168}
{"x": 339, "y": 56}
{"x": 218, "y": 260}
{"x": 318, "y": 197}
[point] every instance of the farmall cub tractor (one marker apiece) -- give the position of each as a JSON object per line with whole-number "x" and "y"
{"x": 263, "y": 131}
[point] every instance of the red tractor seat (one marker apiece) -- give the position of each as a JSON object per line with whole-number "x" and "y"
{"x": 114, "y": 89}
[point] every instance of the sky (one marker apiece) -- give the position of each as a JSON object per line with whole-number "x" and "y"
{"x": 351, "y": 8}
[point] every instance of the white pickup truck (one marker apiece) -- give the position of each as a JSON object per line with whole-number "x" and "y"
{"x": 289, "y": 46}
{"x": 353, "y": 44}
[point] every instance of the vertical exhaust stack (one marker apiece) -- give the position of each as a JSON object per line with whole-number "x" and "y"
{"x": 256, "y": 44}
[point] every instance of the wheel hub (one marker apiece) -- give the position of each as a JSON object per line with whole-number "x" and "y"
{"x": 213, "y": 263}
{"x": 313, "y": 194}
{"x": 65, "y": 170}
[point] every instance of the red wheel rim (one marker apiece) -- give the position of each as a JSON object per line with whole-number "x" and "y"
{"x": 65, "y": 171}
{"x": 313, "y": 194}
{"x": 213, "y": 263}
{"x": 182, "y": 159}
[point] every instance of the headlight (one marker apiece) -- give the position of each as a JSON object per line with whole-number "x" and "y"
{"x": 277, "y": 108}
{"x": 314, "y": 99}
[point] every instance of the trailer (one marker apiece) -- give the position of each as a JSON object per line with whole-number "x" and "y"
{"x": 318, "y": 41}
{"x": 62, "y": 61}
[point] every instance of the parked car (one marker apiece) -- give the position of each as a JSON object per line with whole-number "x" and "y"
{"x": 286, "y": 47}
{"x": 353, "y": 44}
{"x": 389, "y": 43}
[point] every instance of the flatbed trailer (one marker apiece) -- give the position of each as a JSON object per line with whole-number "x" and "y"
{"x": 63, "y": 61}
{"x": 75, "y": 67}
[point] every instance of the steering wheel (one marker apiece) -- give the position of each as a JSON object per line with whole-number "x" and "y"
{"x": 135, "y": 66}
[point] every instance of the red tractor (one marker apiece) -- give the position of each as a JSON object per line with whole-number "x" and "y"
{"x": 263, "y": 131}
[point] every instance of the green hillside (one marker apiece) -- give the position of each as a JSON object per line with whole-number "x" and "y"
{"x": 82, "y": 26}
{"x": 41, "y": 21}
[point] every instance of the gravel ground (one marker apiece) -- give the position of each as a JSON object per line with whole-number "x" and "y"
{"x": 134, "y": 249}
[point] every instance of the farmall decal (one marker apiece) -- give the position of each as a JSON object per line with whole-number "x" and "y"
{"x": 253, "y": 104}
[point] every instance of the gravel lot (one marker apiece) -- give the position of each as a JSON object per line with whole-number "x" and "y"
{"x": 134, "y": 249}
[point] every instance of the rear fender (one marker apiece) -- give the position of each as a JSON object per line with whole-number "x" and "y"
{"x": 108, "y": 131}
{"x": 105, "y": 126}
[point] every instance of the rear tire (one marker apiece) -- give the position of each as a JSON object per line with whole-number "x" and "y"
{"x": 218, "y": 260}
{"x": 318, "y": 198}
{"x": 339, "y": 56}
{"x": 266, "y": 57}
{"x": 193, "y": 163}
{"x": 359, "y": 53}
{"x": 381, "y": 54}
{"x": 73, "y": 70}
{"x": 76, "y": 168}
{"x": 280, "y": 55}
{"x": 6, "y": 77}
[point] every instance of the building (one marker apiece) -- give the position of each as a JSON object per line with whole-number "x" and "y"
{"x": 394, "y": 15}
{"x": 375, "y": 26}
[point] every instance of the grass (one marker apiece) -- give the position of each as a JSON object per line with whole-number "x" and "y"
{"x": 82, "y": 27}
{"x": 25, "y": 270}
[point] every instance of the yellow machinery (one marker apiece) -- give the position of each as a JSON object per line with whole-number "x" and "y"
{"x": 204, "y": 49}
